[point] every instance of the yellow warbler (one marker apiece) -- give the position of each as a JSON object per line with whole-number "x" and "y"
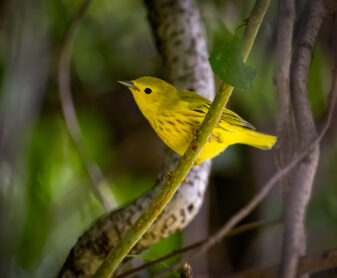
{"x": 176, "y": 114}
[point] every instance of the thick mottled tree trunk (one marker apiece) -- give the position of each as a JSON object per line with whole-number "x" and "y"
{"x": 180, "y": 41}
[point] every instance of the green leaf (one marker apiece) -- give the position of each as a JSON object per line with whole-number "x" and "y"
{"x": 226, "y": 62}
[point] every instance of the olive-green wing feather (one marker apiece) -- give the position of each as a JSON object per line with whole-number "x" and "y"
{"x": 201, "y": 105}
{"x": 234, "y": 119}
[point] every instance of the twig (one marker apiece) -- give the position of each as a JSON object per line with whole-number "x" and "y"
{"x": 69, "y": 113}
{"x": 254, "y": 22}
{"x": 307, "y": 264}
{"x": 159, "y": 202}
{"x": 238, "y": 230}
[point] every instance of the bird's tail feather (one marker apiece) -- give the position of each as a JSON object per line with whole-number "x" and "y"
{"x": 258, "y": 140}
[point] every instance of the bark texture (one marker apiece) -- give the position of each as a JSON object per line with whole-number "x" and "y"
{"x": 180, "y": 41}
{"x": 286, "y": 143}
{"x": 294, "y": 232}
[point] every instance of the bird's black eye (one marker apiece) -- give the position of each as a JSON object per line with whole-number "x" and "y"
{"x": 148, "y": 91}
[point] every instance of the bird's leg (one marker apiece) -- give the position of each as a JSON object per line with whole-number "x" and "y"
{"x": 212, "y": 136}
{"x": 216, "y": 138}
{"x": 197, "y": 162}
{"x": 195, "y": 134}
{"x": 167, "y": 176}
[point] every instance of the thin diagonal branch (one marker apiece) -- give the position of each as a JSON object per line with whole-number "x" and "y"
{"x": 238, "y": 230}
{"x": 69, "y": 113}
{"x": 307, "y": 264}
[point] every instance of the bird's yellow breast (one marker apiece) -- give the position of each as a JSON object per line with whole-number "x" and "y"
{"x": 177, "y": 131}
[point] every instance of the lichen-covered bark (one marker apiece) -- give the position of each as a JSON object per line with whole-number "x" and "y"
{"x": 178, "y": 34}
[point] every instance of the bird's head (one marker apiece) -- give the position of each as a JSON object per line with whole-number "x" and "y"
{"x": 151, "y": 94}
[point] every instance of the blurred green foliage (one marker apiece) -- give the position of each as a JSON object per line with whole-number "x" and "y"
{"x": 55, "y": 204}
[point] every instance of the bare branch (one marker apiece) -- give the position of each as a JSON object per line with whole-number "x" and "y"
{"x": 307, "y": 264}
{"x": 238, "y": 230}
{"x": 69, "y": 113}
{"x": 300, "y": 192}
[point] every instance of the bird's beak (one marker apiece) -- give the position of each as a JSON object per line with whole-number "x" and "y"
{"x": 128, "y": 84}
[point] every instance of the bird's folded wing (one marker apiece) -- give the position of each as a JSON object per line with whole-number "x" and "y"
{"x": 232, "y": 118}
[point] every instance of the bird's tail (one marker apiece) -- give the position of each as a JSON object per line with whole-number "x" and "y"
{"x": 258, "y": 140}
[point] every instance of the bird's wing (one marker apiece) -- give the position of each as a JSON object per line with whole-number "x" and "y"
{"x": 232, "y": 118}
{"x": 201, "y": 105}
{"x": 194, "y": 102}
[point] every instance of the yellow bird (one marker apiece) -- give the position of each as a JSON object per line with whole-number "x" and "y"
{"x": 176, "y": 114}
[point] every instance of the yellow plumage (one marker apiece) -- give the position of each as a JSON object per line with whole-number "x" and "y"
{"x": 176, "y": 114}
